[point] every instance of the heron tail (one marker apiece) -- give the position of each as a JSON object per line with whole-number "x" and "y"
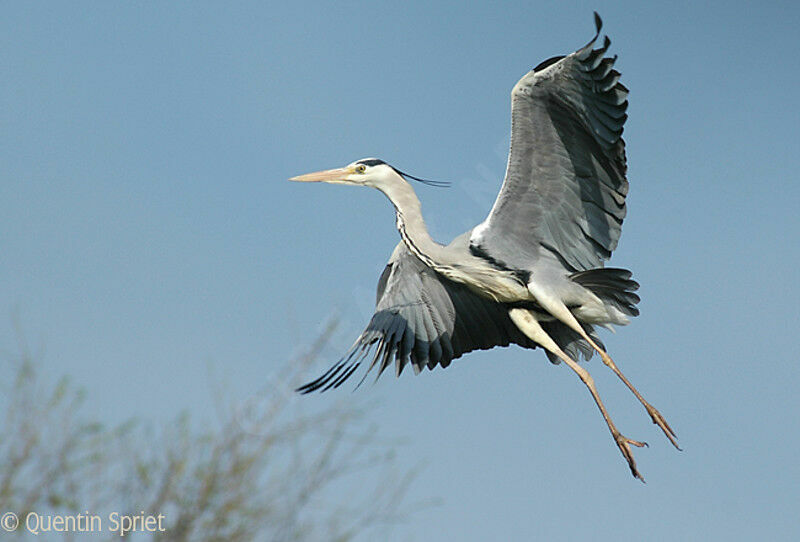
{"x": 613, "y": 286}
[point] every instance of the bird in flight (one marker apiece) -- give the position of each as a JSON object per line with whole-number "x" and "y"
{"x": 532, "y": 272}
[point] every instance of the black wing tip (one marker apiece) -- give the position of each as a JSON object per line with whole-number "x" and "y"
{"x": 307, "y": 388}
{"x": 344, "y": 376}
{"x": 584, "y": 51}
{"x": 545, "y": 63}
{"x": 340, "y": 371}
{"x": 332, "y": 378}
{"x": 320, "y": 381}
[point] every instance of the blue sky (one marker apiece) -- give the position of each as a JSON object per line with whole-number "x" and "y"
{"x": 149, "y": 234}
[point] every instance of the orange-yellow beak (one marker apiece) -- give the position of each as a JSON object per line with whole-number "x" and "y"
{"x": 328, "y": 175}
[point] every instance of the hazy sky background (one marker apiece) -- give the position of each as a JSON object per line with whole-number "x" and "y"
{"x": 149, "y": 233}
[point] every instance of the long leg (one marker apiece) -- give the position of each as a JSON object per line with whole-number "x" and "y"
{"x": 559, "y": 310}
{"x": 528, "y": 324}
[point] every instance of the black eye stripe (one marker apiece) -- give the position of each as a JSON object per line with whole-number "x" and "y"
{"x": 371, "y": 162}
{"x": 377, "y": 162}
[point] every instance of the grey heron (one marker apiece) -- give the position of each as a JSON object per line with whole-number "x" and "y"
{"x": 532, "y": 272}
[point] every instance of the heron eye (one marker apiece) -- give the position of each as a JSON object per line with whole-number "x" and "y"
{"x": 361, "y": 168}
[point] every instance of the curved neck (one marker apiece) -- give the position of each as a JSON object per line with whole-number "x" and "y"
{"x": 410, "y": 223}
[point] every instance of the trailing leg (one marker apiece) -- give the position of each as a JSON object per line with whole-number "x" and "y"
{"x": 528, "y": 324}
{"x": 561, "y": 312}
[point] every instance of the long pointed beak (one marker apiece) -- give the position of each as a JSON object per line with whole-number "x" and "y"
{"x": 323, "y": 176}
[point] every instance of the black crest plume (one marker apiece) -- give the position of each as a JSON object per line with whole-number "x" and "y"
{"x": 406, "y": 176}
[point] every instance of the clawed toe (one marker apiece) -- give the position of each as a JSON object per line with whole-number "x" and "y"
{"x": 655, "y": 415}
{"x": 659, "y": 420}
{"x": 624, "y": 444}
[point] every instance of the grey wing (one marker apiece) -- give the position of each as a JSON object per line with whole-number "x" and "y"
{"x": 424, "y": 319}
{"x": 565, "y": 186}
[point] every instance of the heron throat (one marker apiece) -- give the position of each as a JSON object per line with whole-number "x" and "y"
{"x": 413, "y": 230}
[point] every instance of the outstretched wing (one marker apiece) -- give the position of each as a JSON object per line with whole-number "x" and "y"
{"x": 424, "y": 319}
{"x": 565, "y": 184}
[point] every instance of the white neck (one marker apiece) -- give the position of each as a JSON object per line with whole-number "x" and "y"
{"x": 410, "y": 223}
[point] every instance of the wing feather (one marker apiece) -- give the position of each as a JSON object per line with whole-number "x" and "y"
{"x": 423, "y": 319}
{"x": 565, "y": 185}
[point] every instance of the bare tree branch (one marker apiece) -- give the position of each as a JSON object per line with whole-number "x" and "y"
{"x": 268, "y": 470}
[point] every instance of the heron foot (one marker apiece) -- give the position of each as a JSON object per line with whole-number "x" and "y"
{"x": 624, "y": 444}
{"x": 659, "y": 420}
{"x": 655, "y": 415}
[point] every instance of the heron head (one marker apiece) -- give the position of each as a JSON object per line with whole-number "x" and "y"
{"x": 372, "y": 172}
{"x": 365, "y": 172}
